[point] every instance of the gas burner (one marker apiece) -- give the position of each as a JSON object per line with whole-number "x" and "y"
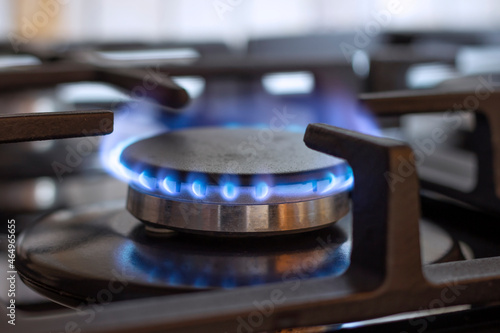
{"x": 234, "y": 182}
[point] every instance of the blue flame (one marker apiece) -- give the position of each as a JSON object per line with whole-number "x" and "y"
{"x": 132, "y": 122}
{"x": 332, "y": 182}
{"x": 147, "y": 181}
{"x": 111, "y": 158}
{"x": 335, "y": 105}
{"x": 229, "y": 191}
{"x": 261, "y": 191}
{"x": 198, "y": 188}
{"x": 169, "y": 185}
{"x": 137, "y": 121}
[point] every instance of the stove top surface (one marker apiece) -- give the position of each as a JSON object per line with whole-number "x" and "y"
{"x": 71, "y": 255}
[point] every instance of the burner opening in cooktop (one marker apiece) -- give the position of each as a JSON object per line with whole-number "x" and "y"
{"x": 235, "y": 182}
{"x": 72, "y": 255}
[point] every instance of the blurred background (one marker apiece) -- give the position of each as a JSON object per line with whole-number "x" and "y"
{"x": 237, "y": 21}
{"x": 243, "y": 62}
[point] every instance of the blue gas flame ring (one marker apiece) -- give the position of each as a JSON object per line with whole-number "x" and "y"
{"x": 228, "y": 191}
{"x": 209, "y": 165}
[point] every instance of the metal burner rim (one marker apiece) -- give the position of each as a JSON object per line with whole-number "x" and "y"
{"x": 267, "y": 219}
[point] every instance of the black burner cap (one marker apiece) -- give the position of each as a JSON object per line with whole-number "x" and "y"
{"x": 219, "y": 152}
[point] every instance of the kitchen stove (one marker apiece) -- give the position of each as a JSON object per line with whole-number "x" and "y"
{"x": 344, "y": 247}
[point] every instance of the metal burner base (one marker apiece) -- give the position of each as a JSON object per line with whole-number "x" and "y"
{"x": 237, "y": 220}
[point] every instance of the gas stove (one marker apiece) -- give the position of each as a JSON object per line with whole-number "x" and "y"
{"x": 251, "y": 209}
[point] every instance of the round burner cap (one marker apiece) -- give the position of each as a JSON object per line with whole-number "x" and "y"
{"x": 234, "y": 182}
{"x": 217, "y": 153}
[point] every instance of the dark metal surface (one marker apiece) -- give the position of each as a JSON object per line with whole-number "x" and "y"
{"x": 374, "y": 201}
{"x": 485, "y": 138}
{"x": 139, "y": 82}
{"x": 56, "y": 125}
{"x": 467, "y": 225}
{"x": 58, "y": 249}
{"x": 385, "y": 276}
{"x": 55, "y": 255}
{"x": 45, "y": 75}
{"x": 143, "y": 84}
{"x": 476, "y": 320}
{"x": 245, "y": 153}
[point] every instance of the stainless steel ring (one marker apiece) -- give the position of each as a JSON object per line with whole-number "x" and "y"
{"x": 236, "y": 220}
